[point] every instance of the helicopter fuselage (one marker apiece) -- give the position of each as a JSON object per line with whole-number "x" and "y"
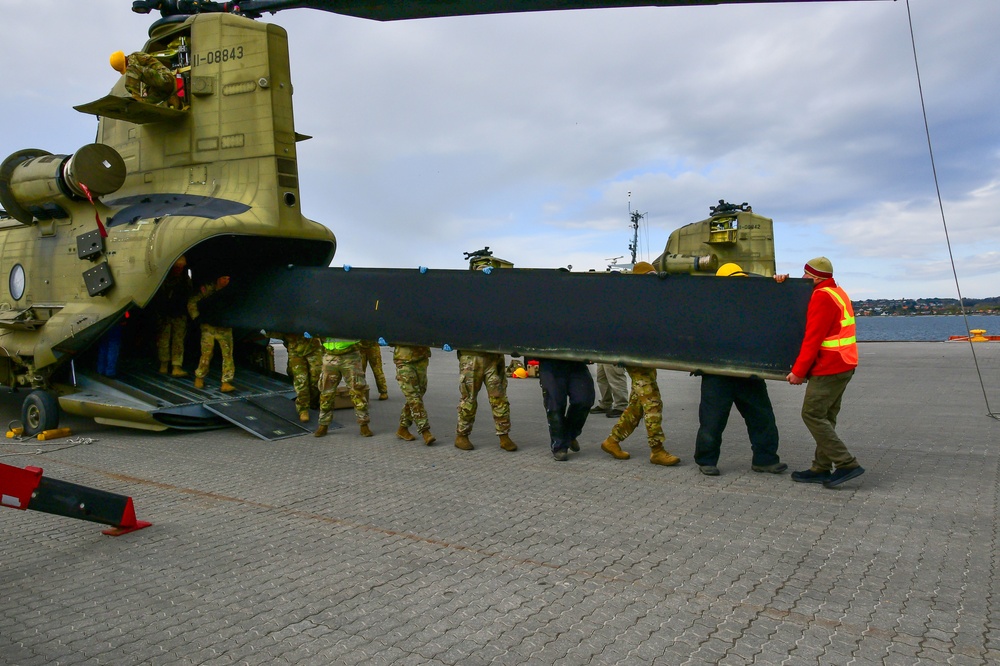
{"x": 216, "y": 182}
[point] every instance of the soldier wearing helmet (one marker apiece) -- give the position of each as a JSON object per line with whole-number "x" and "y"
{"x": 644, "y": 402}
{"x": 477, "y": 369}
{"x": 718, "y": 395}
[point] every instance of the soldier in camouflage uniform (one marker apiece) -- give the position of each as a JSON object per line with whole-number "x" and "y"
{"x": 476, "y": 369}
{"x": 170, "y": 306}
{"x": 210, "y": 334}
{"x": 643, "y": 402}
{"x": 146, "y": 78}
{"x": 411, "y": 373}
{"x": 342, "y": 358}
{"x": 371, "y": 355}
{"x": 305, "y": 365}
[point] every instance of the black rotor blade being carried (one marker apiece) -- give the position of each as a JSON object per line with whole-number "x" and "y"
{"x": 396, "y": 10}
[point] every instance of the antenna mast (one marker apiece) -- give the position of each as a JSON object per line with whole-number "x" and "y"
{"x": 634, "y": 216}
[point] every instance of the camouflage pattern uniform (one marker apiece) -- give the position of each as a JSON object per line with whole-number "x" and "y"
{"x": 143, "y": 69}
{"x": 170, "y": 305}
{"x": 476, "y": 369}
{"x": 210, "y": 334}
{"x": 305, "y": 365}
{"x": 644, "y": 402}
{"x": 342, "y": 358}
{"x": 411, "y": 373}
{"x": 371, "y": 355}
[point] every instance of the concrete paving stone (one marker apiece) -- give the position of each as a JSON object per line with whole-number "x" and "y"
{"x": 970, "y": 639}
{"x": 27, "y": 660}
{"x": 966, "y": 660}
{"x": 366, "y": 530}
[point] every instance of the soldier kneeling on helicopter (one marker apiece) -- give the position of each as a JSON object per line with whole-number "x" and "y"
{"x": 147, "y": 79}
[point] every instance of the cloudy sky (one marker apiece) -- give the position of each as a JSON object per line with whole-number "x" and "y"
{"x": 527, "y": 132}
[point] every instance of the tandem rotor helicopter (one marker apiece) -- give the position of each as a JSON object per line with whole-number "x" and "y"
{"x": 88, "y": 238}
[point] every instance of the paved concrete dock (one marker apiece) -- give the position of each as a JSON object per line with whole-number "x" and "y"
{"x": 348, "y": 550}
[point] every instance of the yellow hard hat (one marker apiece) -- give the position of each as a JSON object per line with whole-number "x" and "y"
{"x": 117, "y": 61}
{"x": 725, "y": 270}
{"x": 520, "y": 373}
{"x": 642, "y": 268}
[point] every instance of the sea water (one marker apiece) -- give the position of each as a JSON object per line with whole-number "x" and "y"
{"x": 921, "y": 328}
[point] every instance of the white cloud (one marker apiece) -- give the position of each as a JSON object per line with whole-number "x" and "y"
{"x": 526, "y": 132}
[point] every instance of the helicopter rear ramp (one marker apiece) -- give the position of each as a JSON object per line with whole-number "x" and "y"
{"x": 140, "y": 397}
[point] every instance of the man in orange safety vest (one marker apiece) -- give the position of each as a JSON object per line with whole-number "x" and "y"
{"x": 828, "y": 358}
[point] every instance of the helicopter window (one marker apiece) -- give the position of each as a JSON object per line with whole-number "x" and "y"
{"x": 16, "y": 283}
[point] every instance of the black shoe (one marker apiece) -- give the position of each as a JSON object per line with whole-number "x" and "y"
{"x": 709, "y": 470}
{"x": 574, "y": 446}
{"x": 561, "y": 455}
{"x": 613, "y": 413}
{"x": 776, "y": 468}
{"x": 809, "y": 476}
{"x": 841, "y": 475}
{"x": 597, "y": 409}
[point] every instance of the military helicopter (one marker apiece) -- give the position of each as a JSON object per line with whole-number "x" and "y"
{"x": 88, "y": 238}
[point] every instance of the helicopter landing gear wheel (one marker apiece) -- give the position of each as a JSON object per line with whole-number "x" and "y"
{"x": 39, "y": 411}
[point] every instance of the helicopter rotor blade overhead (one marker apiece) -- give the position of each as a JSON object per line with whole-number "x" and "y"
{"x": 396, "y": 10}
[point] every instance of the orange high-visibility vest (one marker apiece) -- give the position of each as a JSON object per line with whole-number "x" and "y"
{"x": 844, "y": 341}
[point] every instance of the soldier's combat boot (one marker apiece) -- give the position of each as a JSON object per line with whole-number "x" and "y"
{"x": 304, "y": 417}
{"x": 199, "y": 382}
{"x": 428, "y": 437}
{"x": 365, "y": 430}
{"x": 612, "y": 448}
{"x": 462, "y": 442}
{"x": 163, "y": 368}
{"x": 227, "y": 387}
{"x": 507, "y": 444}
{"x": 658, "y": 456}
{"x": 383, "y": 396}
{"x": 178, "y": 371}
{"x": 320, "y": 431}
{"x": 404, "y": 434}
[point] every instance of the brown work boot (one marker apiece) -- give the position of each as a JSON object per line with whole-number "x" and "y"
{"x": 365, "y": 430}
{"x": 320, "y": 431}
{"x": 404, "y": 434}
{"x": 304, "y": 417}
{"x": 227, "y": 387}
{"x": 507, "y": 444}
{"x": 612, "y": 448}
{"x": 164, "y": 368}
{"x": 383, "y": 396}
{"x": 462, "y": 442}
{"x": 428, "y": 437}
{"x": 178, "y": 371}
{"x": 199, "y": 382}
{"x": 658, "y": 456}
